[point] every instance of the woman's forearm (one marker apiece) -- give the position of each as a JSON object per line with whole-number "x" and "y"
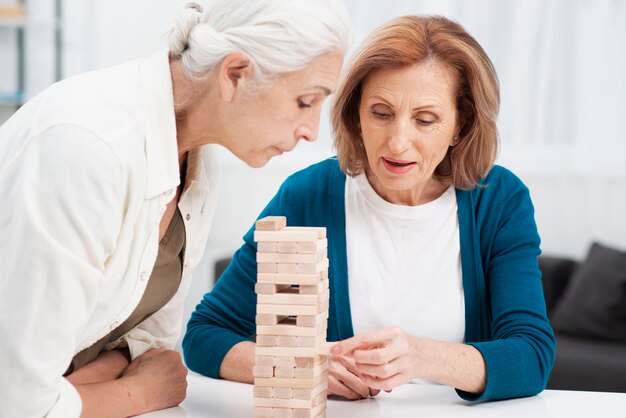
{"x": 457, "y": 365}
{"x": 108, "y": 366}
{"x": 111, "y": 399}
{"x": 238, "y": 362}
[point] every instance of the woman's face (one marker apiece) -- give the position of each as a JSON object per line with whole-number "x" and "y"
{"x": 408, "y": 120}
{"x": 273, "y": 120}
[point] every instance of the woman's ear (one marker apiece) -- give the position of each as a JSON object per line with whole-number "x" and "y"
{"x": 233, "y": 71}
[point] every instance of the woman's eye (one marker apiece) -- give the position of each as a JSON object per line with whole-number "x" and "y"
{"x": 380, "y": 115}
{"x": 303, "y": 105}
{"x": 425, "y": 122}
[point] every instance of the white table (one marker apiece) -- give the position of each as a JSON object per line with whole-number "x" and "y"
{"x": 209, "y": 398}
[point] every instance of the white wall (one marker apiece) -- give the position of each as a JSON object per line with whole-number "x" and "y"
{"x": 574, "y": 206}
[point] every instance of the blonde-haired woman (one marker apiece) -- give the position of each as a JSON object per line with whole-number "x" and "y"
{"x": 108, "y": 187}
{"x": 433, "y": 250}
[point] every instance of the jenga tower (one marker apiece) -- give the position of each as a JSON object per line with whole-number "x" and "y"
{"x": 291, "y": 364}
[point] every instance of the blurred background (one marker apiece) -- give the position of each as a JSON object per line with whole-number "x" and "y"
{"x": 562, "y": 68}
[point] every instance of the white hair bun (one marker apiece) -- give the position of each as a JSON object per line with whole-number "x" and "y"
{"x": 188, "y": 18}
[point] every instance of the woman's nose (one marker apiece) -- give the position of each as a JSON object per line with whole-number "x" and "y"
{"x": 399, "y": 138}
{"x": 307, "y": 133}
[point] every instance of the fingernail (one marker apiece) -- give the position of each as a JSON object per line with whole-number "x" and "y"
{"x": 335, "y": 350}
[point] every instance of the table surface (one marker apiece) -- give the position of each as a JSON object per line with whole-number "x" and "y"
{"x": 209, "y": 398}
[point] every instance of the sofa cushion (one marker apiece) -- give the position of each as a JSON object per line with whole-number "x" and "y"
{"x": 586, "y": 364}
{"x": 555, "y": 275}
{"x": 594, "y": 303}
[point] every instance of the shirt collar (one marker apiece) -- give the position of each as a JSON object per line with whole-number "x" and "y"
{"x": 160, "y": 142}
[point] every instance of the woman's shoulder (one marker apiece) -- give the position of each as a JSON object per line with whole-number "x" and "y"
{"x": 318, "y": 176}
{"x": 500, "y": 181}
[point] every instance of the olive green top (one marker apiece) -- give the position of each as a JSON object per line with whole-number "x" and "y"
{"x": 161, "y": 287}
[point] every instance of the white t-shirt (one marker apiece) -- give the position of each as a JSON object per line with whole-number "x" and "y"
{"x": 404, "y": 264}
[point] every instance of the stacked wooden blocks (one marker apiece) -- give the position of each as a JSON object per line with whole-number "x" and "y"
{"x": 291, "y": 364}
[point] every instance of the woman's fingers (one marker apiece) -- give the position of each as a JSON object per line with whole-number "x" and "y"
{"x": 367, "y": 340}
{"x": 336, "y": 387}
{"x": 374, "y": 392}
{"x": 387, "y": 384}
{"x": 340, "y": 369}
{"x": 360, "y": 341}
{"x": 381, "y": 371}
{"x": 375, "y": 355}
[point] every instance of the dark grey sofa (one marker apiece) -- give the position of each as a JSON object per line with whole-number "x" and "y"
{"x": 582, "y": 362}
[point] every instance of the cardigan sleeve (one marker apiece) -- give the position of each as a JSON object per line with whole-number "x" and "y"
{"x": 226, "y": 315}
{"x": 520, "y": 353}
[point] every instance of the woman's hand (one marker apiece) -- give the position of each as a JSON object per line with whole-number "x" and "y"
{"x": 162, "y": 377}
{"x": 344, "y": 380}
{"x": 390, "y": 357}
{"x": 384, "y": 358}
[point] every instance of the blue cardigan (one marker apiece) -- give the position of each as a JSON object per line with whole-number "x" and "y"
{"x": 505, "y": 315}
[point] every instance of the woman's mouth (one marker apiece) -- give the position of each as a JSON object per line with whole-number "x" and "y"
{"x": 397, "y": 166}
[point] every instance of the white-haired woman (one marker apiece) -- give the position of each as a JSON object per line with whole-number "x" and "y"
{"x": 108, "y": 190}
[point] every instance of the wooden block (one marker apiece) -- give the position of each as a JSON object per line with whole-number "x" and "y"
{"x": 308, "y": 268}
{"x": 287, "y": 341}
{"x": 267, "y": 247}
{"x": 283, "y": 403}
{"x": 296, "y": 279}
{"x": 268, "y": 319}
{"x": 323, "y": 306}
{"x": 266, "y": 340}
{"x": 262, "y": 412}
{"x": 312, "y": 320}
{"x": 319, "y": 230}
{"x": 288, "y": 310}
{"x": 302, "y": 373}
{"x": 286, "y": 234}
{"x": 289, "y": 327}
{"x": 314, "y": 289}
{"x": 310, "y": 393}
{"x": 286, "y": 268}
{"x": 320, "y": 399}
{"x": 310, "y": 372}
{"x": 285, "y": 362}
{"x": 289, "y": 296}
{"x": 285, "y": 351}
{"x": 264, "y": 361}
{"x": 269, "y": 289}
{"x": 305, "y": 362}
{"x": 267, "y": 268}
{"x": 270, "y": 223}
{"x": 277, "y": 382}
{"x": 312, "y": 247}
{"x": 262, "y": 371}
{"x": 290, "y": 258}
{"x": 262, "y": 392}
{"x": 324, "y": 348}
{"x": 318, "y": 411}
{"x": 284, "y": 372}
{"x": 282, "y": 413}
{"x": 281, "y": 393}
{"x": 287, "y": 247}
{"x": 302, "y": 341}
